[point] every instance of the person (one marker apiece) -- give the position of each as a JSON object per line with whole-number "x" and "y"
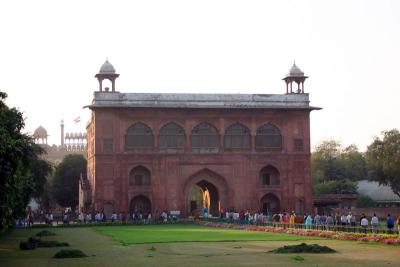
{"x": 375, "y": 224}
{"x": 309, "y": 221}
{"x": 398, "y": 225}
{"x": 113, "y": 217}
{"x": 364, "y": 224}
{"x": 51, "y": 218}
{"x": 65, "y": 219}
{"x": 221, "y": 213}
{"x": 350, "y": 220}
{"x": 205, "y": 212}
{"x": 317, "y": 220}
{"x": 343, "y": 221}
{"x": 329, "y": 222}
{"x": 390, "y": 224}
{"x": 291, "y": 220}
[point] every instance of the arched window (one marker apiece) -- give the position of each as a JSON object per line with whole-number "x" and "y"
{"x": 171, "y": 136}
{"x": 205, "y": 136}
{"x": 138, "y": 136}
{"x": 237, "y": 136}
{"x": 269, "y": 175}
{"x": 268, "y": 136}
{"x": 139, "y": 176}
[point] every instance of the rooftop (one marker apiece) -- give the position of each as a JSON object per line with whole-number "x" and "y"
{"x": 231, "y": 101}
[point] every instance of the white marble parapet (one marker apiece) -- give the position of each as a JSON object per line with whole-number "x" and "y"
{"x": 240, "y": 101}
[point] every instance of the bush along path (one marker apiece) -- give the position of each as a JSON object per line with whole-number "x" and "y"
{"x": 375, "y": 238}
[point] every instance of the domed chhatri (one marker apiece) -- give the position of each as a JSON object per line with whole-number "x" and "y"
{"x": 295, "y": 75}
{"x": 107, "y": 71}
{"x": 107, "y": 68}
{"x": 40, "y": 132}
{"x": 295, "y": 71}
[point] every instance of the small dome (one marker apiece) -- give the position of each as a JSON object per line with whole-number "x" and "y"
{"x": 107, "y": 68}
{"x": 40, "y": 132}
{"x": 295, "y": 71}
{"x": 67, "y": 136}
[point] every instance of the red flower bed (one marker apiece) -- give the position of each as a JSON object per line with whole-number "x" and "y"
{"x": 379, "y": 238}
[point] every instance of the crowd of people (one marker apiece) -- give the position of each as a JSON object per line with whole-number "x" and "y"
{"x": 136, "y": 216}
{"x": 337, "y": 221}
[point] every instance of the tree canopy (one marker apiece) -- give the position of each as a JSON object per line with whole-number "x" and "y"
{"x": 383, "y": 160}
{"x": 66, "y": 180}
{"x": 336, "y": 169}
{"x": 18, "y": 155}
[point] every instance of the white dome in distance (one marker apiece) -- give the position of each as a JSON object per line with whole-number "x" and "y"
{"x": 107, "y": 68}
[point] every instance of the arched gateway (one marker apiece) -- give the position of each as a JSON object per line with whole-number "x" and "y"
{"x": 140, "y": 204}
{"x": 270, "y": 203}
{"x": 205, "y": 189}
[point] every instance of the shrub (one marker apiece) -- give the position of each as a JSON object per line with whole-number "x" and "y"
{"x": 69, "y": 253}
{"x": 304, "y": 248}
{"x": 45, "y": 233}
{"x": 52, "y": 243}
{"x": 34, "y": 241}
{"x": 25, "y": 246}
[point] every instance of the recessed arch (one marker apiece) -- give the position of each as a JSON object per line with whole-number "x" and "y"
{"x": 140, "y": 204}
{"x": 207, "y": 183}
{"x": 138, "y": 136}
{"x": 270, "y": 203}
{"x": 237, "y": 135}
{"x": 139, "y": 176}
{"x": 205, "y": 136}
{"x": 269, "y": 175}
{"x": 171, "y": 135}
{"x": 268, "y": 136}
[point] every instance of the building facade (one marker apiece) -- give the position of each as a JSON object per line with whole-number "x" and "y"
{"x": 183, "y": 152}
{"x": 71, "y": 143}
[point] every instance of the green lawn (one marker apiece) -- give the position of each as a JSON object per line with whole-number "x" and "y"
{"x": 189, "y": 233}
{"x": 104, "y": 251}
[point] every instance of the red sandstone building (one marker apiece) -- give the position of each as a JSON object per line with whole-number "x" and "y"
{"x": 154, "y": 152}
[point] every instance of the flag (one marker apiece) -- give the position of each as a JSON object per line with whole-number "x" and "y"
{"x": 77, "y": 119}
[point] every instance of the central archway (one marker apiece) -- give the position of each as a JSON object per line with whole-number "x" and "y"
{"x": 204, "y": 195}
{"x": 140, "y": 204}
{"x": 205, "y": 189}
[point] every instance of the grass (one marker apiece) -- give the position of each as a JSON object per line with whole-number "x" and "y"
{"x": 189, "y": 233}
{"x": 104, "y": 250}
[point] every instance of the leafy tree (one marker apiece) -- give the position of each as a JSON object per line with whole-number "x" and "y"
{"x": 334, "y": 169}
{"x": 66, "y": 180}
{"x": 345, "y": 186}
{"x": 40, "y": 169}
{"x": 353, "y": 162}
{"x": 383, "y": 160}
{"x": 17, "y": 152}
{"x": 364, "y": 201}
{"x": 325, "y": 162}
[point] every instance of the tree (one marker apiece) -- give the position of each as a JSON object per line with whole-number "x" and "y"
{"x": 66, "y": 180}
{"x": 345, "y": 186}
{"x": 383, "y": 160}
{"x": 325, "y": 162}
{"x": 364, "y": 201}
{"x": 354, "y": 166}
{"x": 334, "y": 170}
{"x": 17, "y": 152}
{"x": 40, "y": 169}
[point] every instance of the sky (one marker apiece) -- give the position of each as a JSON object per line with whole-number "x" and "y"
{"x": 51, "y": 50}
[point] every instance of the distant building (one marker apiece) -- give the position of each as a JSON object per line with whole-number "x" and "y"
{"x": 151, "y": 152}
{"x": 381, "y": 194}
{"x": 71, "y": 143}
